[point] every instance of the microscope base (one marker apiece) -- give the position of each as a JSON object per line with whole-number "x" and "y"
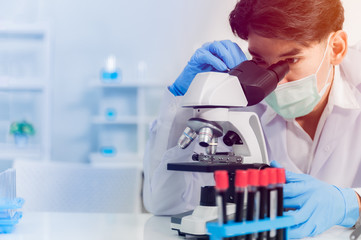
{"x": 194, "y": 222}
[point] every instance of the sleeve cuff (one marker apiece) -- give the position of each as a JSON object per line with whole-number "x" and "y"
{"x": 358, "y": 223}
{"x": 174, "y": 90}
{"x": 351, "y": 207}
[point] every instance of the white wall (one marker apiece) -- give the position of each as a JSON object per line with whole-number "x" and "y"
{"x": 352, "y": 20}
{"x": 164, "y": 33}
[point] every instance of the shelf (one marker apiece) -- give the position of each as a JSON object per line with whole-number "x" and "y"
{"x": 123, "y": 120}
{"x": 24, "y": 87}
{"x": 21, "y": 86}
{"x": 119, "y": 159}
{"x": 10, "y": 151}
{"x": 24, "y": 28}
{"x": 121, "y": 84}
{"x": 135, "y": 107}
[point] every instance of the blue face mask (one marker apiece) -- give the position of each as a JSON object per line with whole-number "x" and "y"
{"x": 297, "y": 98}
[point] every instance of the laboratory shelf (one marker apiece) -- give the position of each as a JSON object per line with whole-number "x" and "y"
{"x": 10, "y": 151}
{"x": 25, "y": 88}
{"x": 118, "y": 120}
{"x": 22, "y": 86}
{"x": 133, "y": 106}
{"x": 123, "y": 120}
{"x": 122, "y": 158}
{"x": 120, "y": 84}
{"x": 24, "y": 29}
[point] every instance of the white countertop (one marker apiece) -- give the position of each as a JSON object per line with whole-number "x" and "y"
{"x": 101, "y": 226}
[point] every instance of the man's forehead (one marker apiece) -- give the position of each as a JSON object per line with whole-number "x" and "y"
{"x": 261, "y": 46}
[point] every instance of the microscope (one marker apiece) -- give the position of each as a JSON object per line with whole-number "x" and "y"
{"x": 216, "y": 99}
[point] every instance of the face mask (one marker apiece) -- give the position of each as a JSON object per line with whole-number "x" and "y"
{"x": 297, "y": 98}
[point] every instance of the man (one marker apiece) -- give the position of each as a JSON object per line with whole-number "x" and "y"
{"x": 311, "y": 121}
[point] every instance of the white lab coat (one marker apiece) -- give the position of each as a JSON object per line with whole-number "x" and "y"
{"x": 337, "y": 158}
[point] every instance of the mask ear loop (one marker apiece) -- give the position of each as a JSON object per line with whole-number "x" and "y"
{"x": 324, "y": 88}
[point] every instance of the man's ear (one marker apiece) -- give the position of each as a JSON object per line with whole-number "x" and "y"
{"x": 338, "y": 46}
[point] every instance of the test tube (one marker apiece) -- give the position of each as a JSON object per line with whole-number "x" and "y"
{"x": 263, "y": 205}
{"x": 281, "y": 179}
{"x": 252, "y": 198}
{"x": 241, "y": 185}
{"x": 222, "y": 184}
{"x": 272, "y": 199}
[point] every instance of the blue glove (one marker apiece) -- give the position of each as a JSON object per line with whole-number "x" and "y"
{"x": 217, "y": 56}
{"x": 318, "y": 205}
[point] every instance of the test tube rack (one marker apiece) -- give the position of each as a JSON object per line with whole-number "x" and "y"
{"x": 9, "y": 216}
{"x": 233, "y": 229}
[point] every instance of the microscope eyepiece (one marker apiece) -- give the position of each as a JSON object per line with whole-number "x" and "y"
{"x": 280, "y": 69}
{"x": 256, "y": 81}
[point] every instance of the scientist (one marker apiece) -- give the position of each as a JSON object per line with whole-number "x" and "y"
{"x": 311, "y": 122}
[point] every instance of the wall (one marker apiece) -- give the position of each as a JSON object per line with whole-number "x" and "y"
{"x": 352, "y": 20}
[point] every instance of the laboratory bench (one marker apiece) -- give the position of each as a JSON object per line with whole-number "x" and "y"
{"x": 106, "y": 226}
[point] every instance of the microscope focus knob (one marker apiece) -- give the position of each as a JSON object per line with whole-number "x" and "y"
{"x": 208, "y": 196}
{"x": 195, "y": 157}
{"x": 232, "y": 138}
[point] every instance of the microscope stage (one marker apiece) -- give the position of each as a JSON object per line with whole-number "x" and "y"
{"x": 212, "y": 166}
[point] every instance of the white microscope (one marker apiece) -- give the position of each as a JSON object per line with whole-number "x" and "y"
{"x": 216, "y": 99}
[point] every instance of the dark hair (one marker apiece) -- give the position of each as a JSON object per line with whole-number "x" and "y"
{"x": 303, "y": 21}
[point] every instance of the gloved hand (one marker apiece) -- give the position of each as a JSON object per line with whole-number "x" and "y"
{"x": 217, "y": 56}
{"x": 318, "y": 205}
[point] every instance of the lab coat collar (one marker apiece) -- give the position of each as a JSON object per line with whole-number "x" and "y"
{"x": 275, "y": 134}
{"x": 342, "y": 93}
{"x": 268, "y": 115}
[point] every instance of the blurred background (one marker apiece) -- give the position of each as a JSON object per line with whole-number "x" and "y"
{"x": 59, "y": 98}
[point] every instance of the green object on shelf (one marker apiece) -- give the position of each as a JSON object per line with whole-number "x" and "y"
{"x": 22, "y": 128}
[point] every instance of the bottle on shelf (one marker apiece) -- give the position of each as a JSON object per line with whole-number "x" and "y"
{"x": 110, "y": 72}
{"x": 110, "y": 114}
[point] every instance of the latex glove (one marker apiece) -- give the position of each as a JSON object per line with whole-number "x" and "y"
{"x": 217, "y": 56}
{"x": 318, "y": 205}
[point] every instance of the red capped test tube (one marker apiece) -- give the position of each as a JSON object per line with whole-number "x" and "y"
{"x": 252, "y": 198}
{"x": 222, "y": 184}
{"x": 241, "y": 183}
{"x": 263, "y": 203}
{"x": 281, "y": 180}
{"x": 272, "y": 199}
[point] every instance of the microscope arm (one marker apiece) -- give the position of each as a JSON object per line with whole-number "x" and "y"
{"x": 214, "y": 96}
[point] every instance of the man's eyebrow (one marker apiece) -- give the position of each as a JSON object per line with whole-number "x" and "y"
{"x": 253, "y": 53}
{"x": 290, "y": 53}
